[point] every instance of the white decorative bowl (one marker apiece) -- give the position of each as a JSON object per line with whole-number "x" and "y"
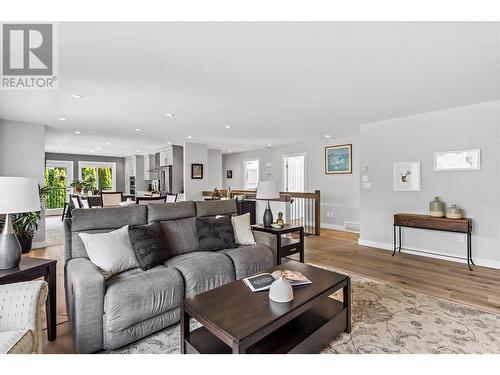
{"x": 281, "y": 291}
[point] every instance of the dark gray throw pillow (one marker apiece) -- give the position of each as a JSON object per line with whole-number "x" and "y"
{"x": 150, "y": 245}
{"x": 215, "y": 233}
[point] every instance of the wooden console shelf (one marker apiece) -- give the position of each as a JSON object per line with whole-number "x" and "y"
{"x": 463, "y": 225}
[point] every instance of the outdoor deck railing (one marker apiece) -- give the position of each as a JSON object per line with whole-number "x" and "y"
{"x": 55, "y": 198}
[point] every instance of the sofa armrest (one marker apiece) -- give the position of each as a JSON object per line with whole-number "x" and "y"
{"x": 23, "y": 307}
{"x": 85, "y": 288}
{"x": 267, "y": 239}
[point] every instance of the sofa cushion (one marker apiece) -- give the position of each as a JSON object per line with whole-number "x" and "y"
{"x": 215, "y": 233}
{"x": 135, "y": 296}
{"x": 150, "y": 245}
{"x": 242, "y": 230}
{"x": 111, "y": 252}
{"x": 248, "y": 260}
{"x": 171, "y": 211}
{"x": 203, "y": 271}
{"x": 215, "y": 207}
{"x": 107, "y": 218}
{"x": 181, "y": 235}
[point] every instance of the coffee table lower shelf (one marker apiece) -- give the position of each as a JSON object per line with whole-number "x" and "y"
{"x": 309, "y": 332}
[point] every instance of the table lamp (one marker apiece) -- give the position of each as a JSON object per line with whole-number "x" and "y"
{"x": 17, "y": 195}
{"x": 268, "y": 190}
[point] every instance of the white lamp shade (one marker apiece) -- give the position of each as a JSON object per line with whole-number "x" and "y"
{"x": 268, "y": 190}
{"x": 18, "y": 194}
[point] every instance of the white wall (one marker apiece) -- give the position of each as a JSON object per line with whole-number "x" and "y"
{"x": 22, "y": 154}
{"x": 339, "y": 193}
{"x": 416, "y": 138}
{"x": 212, "y": 170}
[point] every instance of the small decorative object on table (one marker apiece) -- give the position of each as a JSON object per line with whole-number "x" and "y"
{"x": 229, "y": 194}
{"x": 454, "y": 212}
{"x": 436, "y": 208}
{"x": 216, "y": 194}
{"x": 279, "y": 220}
{"x": 281, "y": 291}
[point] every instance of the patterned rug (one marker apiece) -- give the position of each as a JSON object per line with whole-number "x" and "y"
{"x": 386, "y": 319}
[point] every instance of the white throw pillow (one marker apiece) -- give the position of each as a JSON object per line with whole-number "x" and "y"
{"x": 242, "y": 231}
{"x": 111, "y": 252}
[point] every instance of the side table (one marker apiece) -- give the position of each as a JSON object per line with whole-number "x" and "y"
{"x": 32, "y": 268}
{"x": 285, "y": 246}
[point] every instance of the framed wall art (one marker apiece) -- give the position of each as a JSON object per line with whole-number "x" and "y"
{"x": 197, "y": 171}
{"x": 460, "y": 160}
{"x": 407, "y": 176}
{"x": 338, "y": 159}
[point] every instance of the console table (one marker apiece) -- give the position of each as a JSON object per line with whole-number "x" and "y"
{"x": 463, "y": 225}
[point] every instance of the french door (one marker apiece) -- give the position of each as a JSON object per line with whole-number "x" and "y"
{"x": 58, "y": 176}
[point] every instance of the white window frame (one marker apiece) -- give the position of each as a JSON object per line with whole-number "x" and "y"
{"x": 245, "y": 187}
{"x": 69, "y": 165}
{"x": 98, "y": 164}
{"x": 283, "y": 174}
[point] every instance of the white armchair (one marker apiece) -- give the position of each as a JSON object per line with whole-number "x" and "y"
{"x": 22, "y": 313}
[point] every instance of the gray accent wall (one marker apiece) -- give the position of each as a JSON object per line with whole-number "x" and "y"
{"x": 416, "y": 138}
{"x": 75, "y": 158}
{"x": 339, "y": 193}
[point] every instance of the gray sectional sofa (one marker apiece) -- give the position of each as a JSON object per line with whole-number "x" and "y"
{"x": 107, "y": 314}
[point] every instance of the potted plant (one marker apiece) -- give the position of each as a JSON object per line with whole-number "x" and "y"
{"x": 26, "y": 224}
{"x": 78, "y": 186}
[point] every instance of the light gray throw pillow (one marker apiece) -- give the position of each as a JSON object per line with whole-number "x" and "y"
{"x": 111, "y": 252}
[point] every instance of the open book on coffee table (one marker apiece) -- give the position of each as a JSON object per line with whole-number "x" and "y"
{"x": 263, "y": 281}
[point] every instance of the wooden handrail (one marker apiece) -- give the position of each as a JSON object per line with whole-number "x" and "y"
{"x": 310, "y": 213}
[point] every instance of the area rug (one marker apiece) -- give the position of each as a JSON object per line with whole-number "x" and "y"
{"x": 386, "y": 319}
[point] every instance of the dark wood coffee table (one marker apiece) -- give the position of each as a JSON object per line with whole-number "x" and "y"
{"x": 235, "y": 320}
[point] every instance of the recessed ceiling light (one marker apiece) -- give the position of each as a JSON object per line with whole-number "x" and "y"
{"x": 137, "y": 129}
{"x": 76, "y": 96}
{"x": 62, "y": 118}
{"x": 229, "y": 151}
{"x": 99, "y": 147}
{"x": 151, "y": 147}
{"x": 57, "y": 152}
{"x": 327, "y": 135}
{"x": 169, "y": 143}
{"x": 108, "y": 143}
{"x": 77, "y": 132}
{"x": 138, "y": 151}
{"x": 269, "y": 145}
{"x": 169, "y": 114}
{"x": 190, "y": 137}
{"x": 91, "y": 150}
{"x": 228, "y": 126}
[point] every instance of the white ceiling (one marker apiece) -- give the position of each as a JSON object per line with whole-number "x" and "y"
{"x": 274, "y": 83}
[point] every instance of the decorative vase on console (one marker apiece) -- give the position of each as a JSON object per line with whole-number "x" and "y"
{"x": 436, "y": 208}
{"x": 454, "y": 212}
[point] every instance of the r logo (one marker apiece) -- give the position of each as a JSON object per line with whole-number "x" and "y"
{"x": 27, "y": 49}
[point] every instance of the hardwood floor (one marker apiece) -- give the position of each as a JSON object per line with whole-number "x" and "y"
{"x": 340, "y": 250}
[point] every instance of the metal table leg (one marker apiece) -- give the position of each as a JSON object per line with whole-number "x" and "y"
{"x": 394, "y": 232}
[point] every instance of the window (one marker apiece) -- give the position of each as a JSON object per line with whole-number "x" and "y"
{"x": 251, "y": 173}
{"x": 294, "y": 173}
{"x": 98, "y": 176}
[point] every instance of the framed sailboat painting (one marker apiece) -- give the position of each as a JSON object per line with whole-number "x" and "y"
{"x": 338, "y": 159}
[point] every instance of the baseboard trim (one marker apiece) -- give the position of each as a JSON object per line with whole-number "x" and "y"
{"x": 38, "y": 245}
{"x": 336, "y": 227}
{"x": 428, "y": 253}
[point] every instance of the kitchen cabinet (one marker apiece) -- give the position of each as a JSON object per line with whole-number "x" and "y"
{"x": 166, "y": 156}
